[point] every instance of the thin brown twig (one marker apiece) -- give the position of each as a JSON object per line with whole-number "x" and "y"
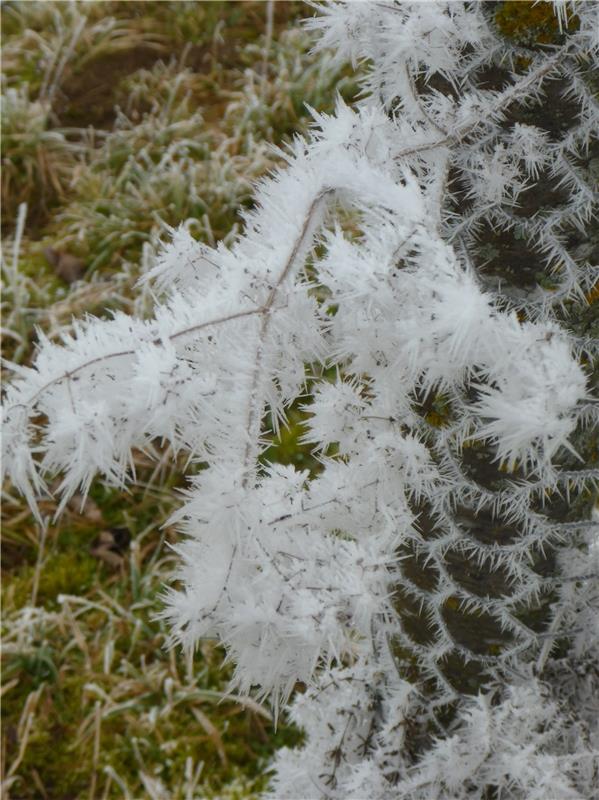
{"x": 254, "y": 417}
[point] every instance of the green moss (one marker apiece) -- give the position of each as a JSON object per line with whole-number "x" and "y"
{"x": 286, "y": 447}
{"x": 530, "y": 23}
{"x": 68, "y": 570}
{"x": 131, "y": 741}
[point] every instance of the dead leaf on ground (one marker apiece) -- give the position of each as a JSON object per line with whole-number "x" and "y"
{"x": 68, "y": 267}
{"x": 110, "y": 544}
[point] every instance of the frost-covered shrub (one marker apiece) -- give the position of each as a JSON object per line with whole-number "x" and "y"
{"x": 434, "y": 584}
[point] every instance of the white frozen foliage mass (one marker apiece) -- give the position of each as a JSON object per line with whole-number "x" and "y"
{"x": 439, "y": 618}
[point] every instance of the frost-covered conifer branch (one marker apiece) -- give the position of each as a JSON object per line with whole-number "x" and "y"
{"x": 432, "y": 586}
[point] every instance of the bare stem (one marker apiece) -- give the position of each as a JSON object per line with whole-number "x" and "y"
{"x": 502, "y": 100}
{"x": 68, "y": 374}
{"x": 255, "y": 403}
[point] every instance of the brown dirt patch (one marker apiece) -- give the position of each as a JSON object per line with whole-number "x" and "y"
{"x": 88, "y": 96}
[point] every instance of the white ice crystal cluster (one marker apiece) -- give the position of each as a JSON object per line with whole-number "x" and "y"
{"x": 397, "y": 583}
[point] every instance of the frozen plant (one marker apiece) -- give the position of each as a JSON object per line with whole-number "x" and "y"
{"x": 434, "y": 585}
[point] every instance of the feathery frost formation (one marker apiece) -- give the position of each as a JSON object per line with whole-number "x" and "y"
{"x": 442, "y": 617}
